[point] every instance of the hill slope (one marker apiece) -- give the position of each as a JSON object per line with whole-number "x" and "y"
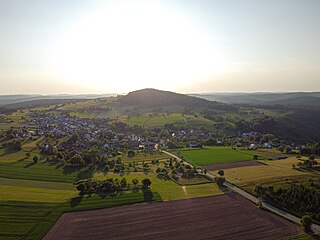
{"x": 150, "y": 98}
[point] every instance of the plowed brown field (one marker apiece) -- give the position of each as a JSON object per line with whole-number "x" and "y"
{"x": 218, "y": 166}
{"x": 226, "y": 216}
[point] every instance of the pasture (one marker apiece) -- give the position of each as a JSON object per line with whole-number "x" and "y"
{"x": 270, "y": 171}
{"x": 154, "y": 120}
{"x": 213, "y": 155}
{"x": 226, "y": 216}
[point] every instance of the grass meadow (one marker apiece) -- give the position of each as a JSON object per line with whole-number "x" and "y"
{"x": 213, "y": 155}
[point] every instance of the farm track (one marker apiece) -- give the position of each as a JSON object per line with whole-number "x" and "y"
{"x": 225, "y": 216}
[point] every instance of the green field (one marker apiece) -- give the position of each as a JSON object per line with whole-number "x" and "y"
{"x": 153, "y": 120}
{"x": 26, "y": 220}
{"x": 213, "y": 155}
{"x": 41, "y": 171}
{"x": 167, "y": 189}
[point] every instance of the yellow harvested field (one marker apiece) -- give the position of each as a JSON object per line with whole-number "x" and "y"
{"x": 266, "y": 172}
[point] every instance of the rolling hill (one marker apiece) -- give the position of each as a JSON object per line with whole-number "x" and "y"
{"x": 153, "y": 98}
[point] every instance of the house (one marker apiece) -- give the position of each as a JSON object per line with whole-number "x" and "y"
{"x": 267, "y": 145}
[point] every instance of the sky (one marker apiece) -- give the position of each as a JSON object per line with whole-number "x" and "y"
{"x": 78, "y": 46}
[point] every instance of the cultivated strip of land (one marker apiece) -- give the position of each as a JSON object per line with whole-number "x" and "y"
{"x": 225, "y": 216}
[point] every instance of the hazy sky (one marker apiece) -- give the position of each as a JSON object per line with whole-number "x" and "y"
{"x": 77, "y": 46}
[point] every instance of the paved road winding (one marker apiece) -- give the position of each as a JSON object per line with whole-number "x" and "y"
{"x": 250, "y": 197}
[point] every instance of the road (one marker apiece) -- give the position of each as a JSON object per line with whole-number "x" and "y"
{"x": 250, "y": 197}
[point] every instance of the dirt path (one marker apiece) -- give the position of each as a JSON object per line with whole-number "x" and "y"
{"x": 184, "y": 188}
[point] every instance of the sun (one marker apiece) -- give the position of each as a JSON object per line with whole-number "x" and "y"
{"x": 128, "y": 45}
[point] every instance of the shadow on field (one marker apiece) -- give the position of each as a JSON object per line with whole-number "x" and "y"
{"x": 8, "y": 151}
{"x": 148, "y": 195}
{"x": 223, "y": 189}
{"x": 29, "y": 165}
{"x": 163, "y": 177}
{"x": 22, "y": 159}
{"x": 86, "y": 173}
{"x": 76, "y": 201}
{"x": 70, "y": 169}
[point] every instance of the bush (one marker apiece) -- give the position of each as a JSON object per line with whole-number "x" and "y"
{"x": 306, "y": 222}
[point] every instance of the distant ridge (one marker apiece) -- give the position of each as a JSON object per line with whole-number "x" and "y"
{"x": 150, "y": 97}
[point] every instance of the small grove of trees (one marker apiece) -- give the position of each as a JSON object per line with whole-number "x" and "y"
{"x": 110, "y": 185}
{"x": 309, "y": 163}
{"x": 14, "y": 144}
{"x": 220, "y": 180}
{"x": 297, "y": 198}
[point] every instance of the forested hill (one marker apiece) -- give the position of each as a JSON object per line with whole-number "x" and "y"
{"x": 286, "y": 99}
{"x": 150, "y": 98}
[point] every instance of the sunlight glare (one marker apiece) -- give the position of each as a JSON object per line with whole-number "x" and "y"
{"x": 130, "y": 46}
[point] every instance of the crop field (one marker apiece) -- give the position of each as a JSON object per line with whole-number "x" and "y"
{"x": 31, "y": 220}
{"x": 167, "y": 189}
{"x": 26, "y": 169}
{"x": 218, "y": 166}
{"x": 269, "y": 171}
{"x": 213, "y": 155}
{"x": 220, "y": 217}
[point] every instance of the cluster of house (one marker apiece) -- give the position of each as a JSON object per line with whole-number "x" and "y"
{"x": 93, "y": 130}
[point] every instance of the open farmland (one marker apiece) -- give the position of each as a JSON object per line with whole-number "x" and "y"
{"x": 31, "y": 220}
{"x": 167, "y": 189}
{"x": 144, "y": 156}
{"x": 213, "y": 155}
{"x": 218, "y": 166}
{"x": 273, "y": 170}
{"x": 221, "y": 217}
{"x": 153, "y": 120}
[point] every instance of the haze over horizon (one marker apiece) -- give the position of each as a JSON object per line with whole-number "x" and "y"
{"x": 83, "y": 47}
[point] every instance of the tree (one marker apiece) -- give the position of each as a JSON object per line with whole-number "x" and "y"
{"x": 81, "y": 188}
{"x": 131, "y": 153}
{"x": 76, "y": 161}
{"x": 220, "y": 180}
{"x": 221, "y": 172}
{"x": 288, "y": 149}
{"x": 281, "y": 148}
{"x": 259, "y": 190}
{"x": 123, "y": 183}
{"x": 146, "y": 183}
{"x": 135, "y": 182}
{"x": 306, "y": 222}
{"x": 35, "y": 159}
